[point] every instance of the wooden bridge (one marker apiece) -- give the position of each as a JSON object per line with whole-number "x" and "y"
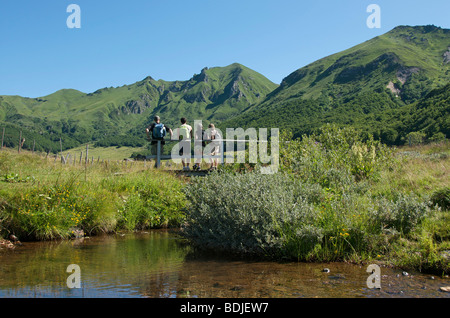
{"x": 190, "y": 173}
{"x": 159, "y": 156}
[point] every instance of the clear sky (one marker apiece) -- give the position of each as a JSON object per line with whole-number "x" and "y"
{"x": 121, "y": 42}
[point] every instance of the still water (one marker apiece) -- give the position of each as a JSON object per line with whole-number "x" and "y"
{"x": 157, "y": 264}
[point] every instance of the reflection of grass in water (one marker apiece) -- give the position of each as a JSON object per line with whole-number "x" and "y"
{"x": 111, "y": 260}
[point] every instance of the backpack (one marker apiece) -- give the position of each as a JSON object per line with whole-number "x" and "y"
{"x": 159, "y": 131}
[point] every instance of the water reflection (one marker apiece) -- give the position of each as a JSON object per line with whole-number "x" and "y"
{"x": 156, "y": 264}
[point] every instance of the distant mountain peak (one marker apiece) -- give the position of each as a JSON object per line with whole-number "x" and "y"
{"x": 148, "y": 78}
{"x": 420, "y": 28}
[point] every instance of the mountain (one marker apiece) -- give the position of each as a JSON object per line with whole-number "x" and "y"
{"x": 214, "y": 95}
{"x": 385, "y": 73}
{"x": 390, "y": 86}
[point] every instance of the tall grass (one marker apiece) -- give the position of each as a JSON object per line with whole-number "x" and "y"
{"x": 42, "y": 199}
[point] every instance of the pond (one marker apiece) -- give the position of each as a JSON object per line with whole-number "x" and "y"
{"x": 158, "y": 264}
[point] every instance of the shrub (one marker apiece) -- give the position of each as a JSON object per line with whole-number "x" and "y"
{"x": 401, "y": 214}
{"x": 248, "y": 212}
{"x": 441, "y": 197}
{"x": 278, "y": 216}
{"x": 415, "y": 138}
{"x": 335, "y": 157}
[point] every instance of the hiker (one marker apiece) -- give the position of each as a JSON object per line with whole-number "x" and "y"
{"x": 213, "y": 135}
{"x": 199, "y": 143}
{"x": 158, "y": 131}
{"x": 185, "y": 145}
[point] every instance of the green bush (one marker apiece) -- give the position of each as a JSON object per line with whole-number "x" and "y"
{"x": 401, "y": 215}
{"x": 318, "y": 207}
{"x": 335, "y": 157}
{"x": 245, "y": 212}
{"x": 441, "y": 197}
{"x": 415, "y": 138}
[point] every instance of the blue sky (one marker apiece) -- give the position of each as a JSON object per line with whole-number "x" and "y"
{"x": 121, "y": 42}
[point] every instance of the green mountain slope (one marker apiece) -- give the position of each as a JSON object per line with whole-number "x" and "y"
{"x": 214, "y": 95}
{"x": 389, "y": 86}
{"x": 412, "y": 58}
{"x": 429, "y": 116}
{"x": 385, "y": 73}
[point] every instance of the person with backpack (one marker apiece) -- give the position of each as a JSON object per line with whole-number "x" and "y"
{"x": 199, "y": 144}
{"x": 214, "y": 137}
{"x": 158, "y": 132}
{"x": 185, "y": 136}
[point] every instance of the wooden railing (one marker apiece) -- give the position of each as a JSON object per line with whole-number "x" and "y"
{"x": 221, "y": 156}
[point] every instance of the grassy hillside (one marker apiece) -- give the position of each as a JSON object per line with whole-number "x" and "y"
{"x": 387, "y": 86}
{"x": 412, "y": 58}
{"x": 392, "y": 75}
{"x": 41, "y": 199}
{"x": 214, "y": 94}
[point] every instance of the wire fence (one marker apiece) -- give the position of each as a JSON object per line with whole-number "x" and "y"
{"x": 11, "y": 139}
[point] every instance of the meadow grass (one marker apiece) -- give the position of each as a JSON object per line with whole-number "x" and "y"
{"x": 44, "y": 199}
{"x": 104, "y": 153}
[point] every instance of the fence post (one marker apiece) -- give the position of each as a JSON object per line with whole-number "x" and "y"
{"x": 20, "y": 141}
{"x": 158, "y": 154}
{"x": 86, "y": 162}
{"x": 3, "y": 136}
{"x": 60, "y": 147}
{"x": 87, "y": 152}
{"x": 222, "y": 154}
